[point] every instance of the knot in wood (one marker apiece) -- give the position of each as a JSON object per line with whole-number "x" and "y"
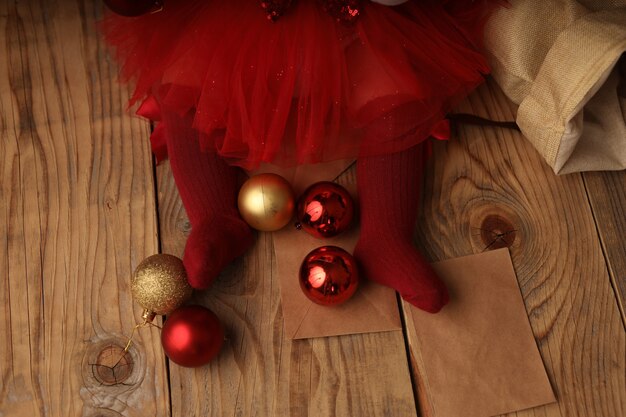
{"x": 184, "y": 225}
{"x": 113, "y": 366}
{"x": 497, "y": 232}
{"x": 105, "y": 412}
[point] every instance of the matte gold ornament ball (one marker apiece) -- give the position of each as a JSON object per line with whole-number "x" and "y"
{"x": 266, "y": 202}
{"x": 159, "y": 284}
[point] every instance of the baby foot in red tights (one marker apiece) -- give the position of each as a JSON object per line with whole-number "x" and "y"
{"x": 212, "y": 245}
{"x": 388, "y": 188}
{"x": 399, "y": 265}
{"x": 208, "y": 189}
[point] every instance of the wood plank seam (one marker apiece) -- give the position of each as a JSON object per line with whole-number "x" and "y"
{"x": 407, "y": 349}
{"x": 612, "y": 275}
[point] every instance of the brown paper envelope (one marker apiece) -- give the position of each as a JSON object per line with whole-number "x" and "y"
{"x": 479, "y": 354}
{"x": 373, "y": 308}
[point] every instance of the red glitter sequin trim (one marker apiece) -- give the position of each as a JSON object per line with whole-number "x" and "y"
{"x": 275, "y": 8}
{"x": 346, "y": 11}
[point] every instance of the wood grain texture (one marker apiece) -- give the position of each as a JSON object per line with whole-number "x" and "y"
{"x": 77, "y": 213}
{"x": 607, "y": 195}
{"x": 262, "y": 373}
{"x": 494, "y": 180}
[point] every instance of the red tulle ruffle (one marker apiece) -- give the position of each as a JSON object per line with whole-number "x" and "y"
{"x": 306, "y": 88}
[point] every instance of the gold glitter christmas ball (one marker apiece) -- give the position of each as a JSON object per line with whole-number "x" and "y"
{"x": 159, "y": 284}
{"x": 266, "y": 202}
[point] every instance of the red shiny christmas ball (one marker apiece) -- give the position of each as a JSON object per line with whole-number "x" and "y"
{"x": 329, "y": 275}
{"x": 131, "y": 8}
{"x": 192, "y": 336}
{"x": 325, "y": 209}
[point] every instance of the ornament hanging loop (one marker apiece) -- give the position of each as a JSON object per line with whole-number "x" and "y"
{"x": 148, "y": 317}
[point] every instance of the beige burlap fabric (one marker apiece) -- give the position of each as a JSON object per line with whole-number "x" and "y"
{"x": 560, "y": 61}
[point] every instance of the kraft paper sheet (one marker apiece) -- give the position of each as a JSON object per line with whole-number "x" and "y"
{"x": 478, "y": 355}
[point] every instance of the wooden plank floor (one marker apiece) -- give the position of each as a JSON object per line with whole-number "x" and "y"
{"x": 81, "y": 204}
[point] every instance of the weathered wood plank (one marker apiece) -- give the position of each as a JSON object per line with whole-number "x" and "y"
{"x": 261, "y": 372}
{"x": 607, "y": 195}
{"x": 77, "y": 213}
{"x": 489, "y": 188}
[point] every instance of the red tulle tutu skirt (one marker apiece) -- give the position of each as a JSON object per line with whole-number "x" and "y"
{"x": 306, "y": 88}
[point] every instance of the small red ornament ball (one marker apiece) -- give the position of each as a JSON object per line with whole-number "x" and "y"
{"x": 325, "y": 209}
{"x": 131, "y": 8}
{"x": 329, "y": 275}
{"x": 192, "y": 336}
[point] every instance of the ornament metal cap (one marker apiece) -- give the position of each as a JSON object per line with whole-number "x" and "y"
{"x": 148, "y": 316}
